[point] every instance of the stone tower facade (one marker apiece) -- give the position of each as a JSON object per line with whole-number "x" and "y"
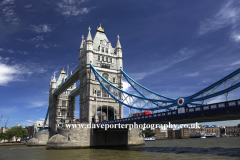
{"x": 61, "y": 107}
{"x": 107, "y": 61}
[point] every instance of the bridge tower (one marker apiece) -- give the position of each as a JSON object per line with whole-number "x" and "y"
{"x": 108, "y": 61}
{"x": 61, "y": 107}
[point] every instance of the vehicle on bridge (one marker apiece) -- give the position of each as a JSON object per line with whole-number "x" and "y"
{"x": 145, "y": 113}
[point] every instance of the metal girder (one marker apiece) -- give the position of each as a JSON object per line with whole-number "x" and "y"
{"x": 131, "y": 103}
{"x": 144, "y": 101}
{"x": 228, "y": 77}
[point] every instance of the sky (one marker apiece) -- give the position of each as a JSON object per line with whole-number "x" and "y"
{"x": 175, "y": 48}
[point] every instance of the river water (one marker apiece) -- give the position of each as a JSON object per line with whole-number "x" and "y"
{"x": 209, "y": 148}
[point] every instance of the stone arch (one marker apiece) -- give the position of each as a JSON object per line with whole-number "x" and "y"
{"x": 110, "y": 111}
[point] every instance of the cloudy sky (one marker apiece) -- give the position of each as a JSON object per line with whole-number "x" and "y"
{"x": 175, "y": 48}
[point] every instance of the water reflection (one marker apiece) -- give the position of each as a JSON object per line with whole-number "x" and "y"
{"x": 216, "y": 148}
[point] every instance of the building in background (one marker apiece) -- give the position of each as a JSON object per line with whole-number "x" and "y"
{"x": 4, "y": 129}
{"x": 232, "y": 131}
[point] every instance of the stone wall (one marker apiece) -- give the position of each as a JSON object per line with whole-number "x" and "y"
{"x": 182, "y": 133}
{"x": 135, "y": 137}
{"x": 171, "y": 133}
{"x": 39, "y": 139}
{"x": 159, "y": 134}
{"x": 90, "y": 137}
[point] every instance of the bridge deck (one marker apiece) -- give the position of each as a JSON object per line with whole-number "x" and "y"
{"x": 69, "y": 81}
{"x": 214, "y": 112}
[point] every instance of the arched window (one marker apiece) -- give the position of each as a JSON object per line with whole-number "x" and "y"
{"x": 63, "y": 103}
{"x": 105, "y": 75}
{"x": 103, "y": 49}
{"x": 106, "y": 50}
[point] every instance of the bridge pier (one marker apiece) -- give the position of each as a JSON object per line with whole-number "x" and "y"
{"x": 92, "y": 137}
{"x": 39, "y": 139}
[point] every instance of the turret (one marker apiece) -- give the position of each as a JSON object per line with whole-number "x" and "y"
{"x": 81, "y": 46}
{"x": 89, "y": 40}
{"x": 53, "y": 82}
{"x": 118, "y": 48}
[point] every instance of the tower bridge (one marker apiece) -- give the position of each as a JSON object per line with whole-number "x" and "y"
{"x": 100, "y": 72}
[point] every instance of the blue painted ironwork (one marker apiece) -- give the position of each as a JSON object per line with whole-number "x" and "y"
{"x": 45, "y": 121}
{"x": 148, "y": 92}
{"x": 131, "y": 103}
{"x": 134, "y": 84}
{"x": 135, "y": 100}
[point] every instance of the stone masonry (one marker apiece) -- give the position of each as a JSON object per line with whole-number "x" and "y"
{"x": 107, "y": 61}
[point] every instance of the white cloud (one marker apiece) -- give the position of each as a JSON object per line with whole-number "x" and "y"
{"x": 235, "y": 63}
{"x": 8, "y": 110}
{"x": 29, "y": 121}
{"x": 42, "y": 28}
{"x": 235, "y": 37}
{"x": 71, "y": 8}
{"x": 192, "y": 74}
{"x": 7, "y": 74}
{"x": 43, "y": 45}
{"x": 46, "y": 92}
{"x": 38, "y": 38}
{"x": 182, "y": 55}
{"x": 29, "y": 6}
{"x": 7, "y": 2}
{"x": 217, "y": 99}
{"x": 11, "y": 51}
{"x": 126, "y": 86}
{"x": 16, "y": 71}
{"x": 37, "y": 104}
{"x": 23, "y": 52}
{"x": 7, "y": 13}
{"x": 227, "y": 16}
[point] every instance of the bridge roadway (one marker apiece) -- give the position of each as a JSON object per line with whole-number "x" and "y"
{"x": 222, "y": 111}
{"x": 72, "y": 78}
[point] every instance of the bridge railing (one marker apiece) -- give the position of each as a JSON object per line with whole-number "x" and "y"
{"x": 67, "y": 79}
{"x": 197, "y": 109}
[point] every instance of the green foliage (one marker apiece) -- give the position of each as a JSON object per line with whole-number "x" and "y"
{"x": 3, "y": 136}
{"x": 18, "y": 132}
{"x": 147, "y": 133}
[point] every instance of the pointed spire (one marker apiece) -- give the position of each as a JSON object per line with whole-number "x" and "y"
{"x": 81, "y": 46}
{"x": 89, "y": 37}
{"x": 54, "y": 79}
{"x": 118, "y": 43}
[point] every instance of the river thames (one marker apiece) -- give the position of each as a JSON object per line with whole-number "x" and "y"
{"x": 209, "y": 148}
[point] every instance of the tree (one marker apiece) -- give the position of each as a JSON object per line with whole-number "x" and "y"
{"x": 147, "y": 133}
{"x": 18, "y": 132}
{"x": 4, "y": 136}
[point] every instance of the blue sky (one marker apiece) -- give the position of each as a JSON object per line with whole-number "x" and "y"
{"x": 175, "y": 48}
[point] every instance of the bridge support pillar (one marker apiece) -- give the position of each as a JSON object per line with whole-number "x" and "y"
{"x": 39, "y": 139}
{"x": 92, "y": 137}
